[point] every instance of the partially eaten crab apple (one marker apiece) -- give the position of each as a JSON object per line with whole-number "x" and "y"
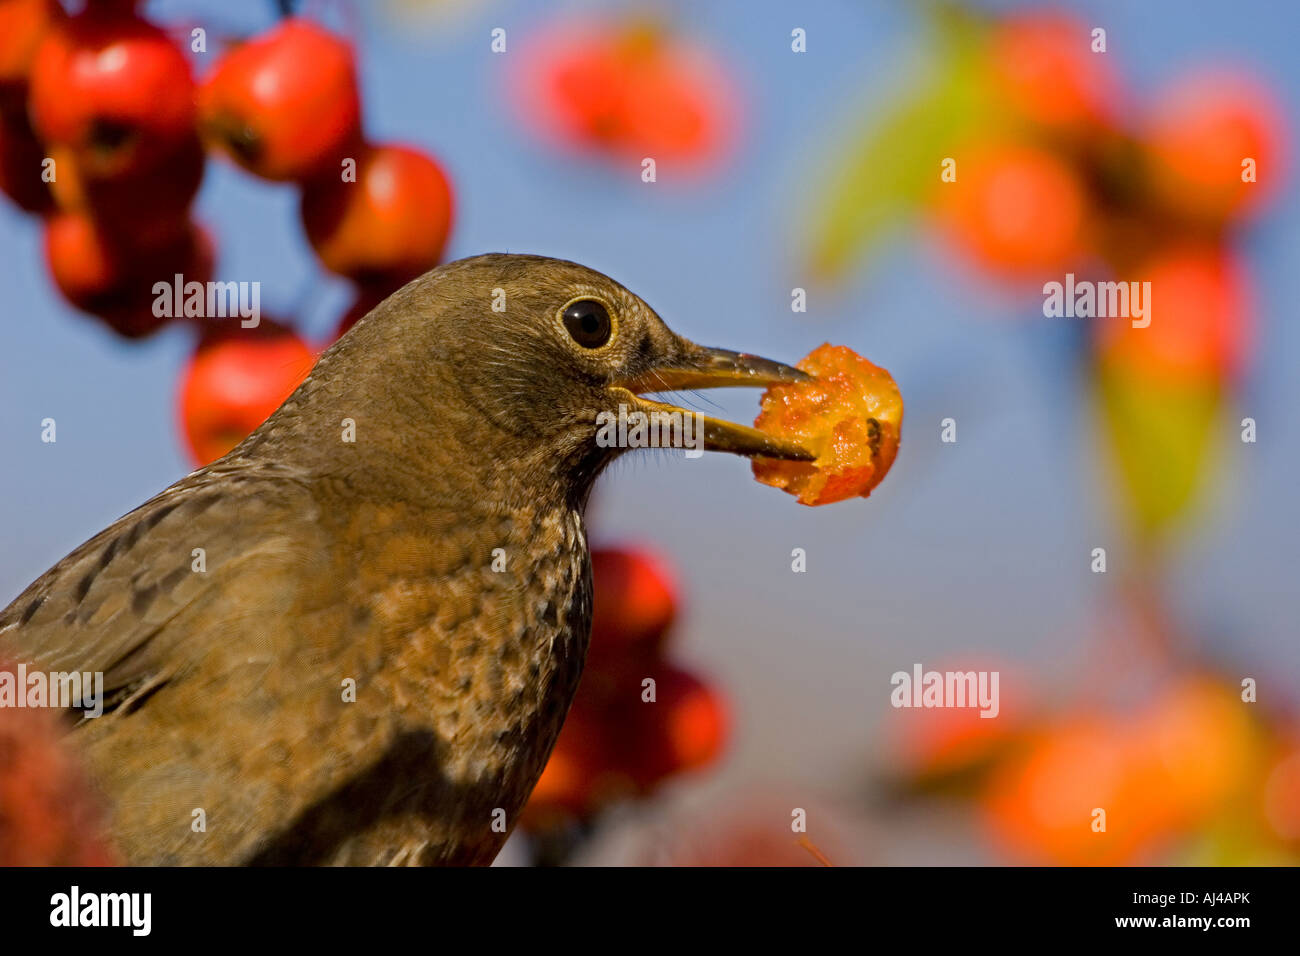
{"x": 848, "y": 414}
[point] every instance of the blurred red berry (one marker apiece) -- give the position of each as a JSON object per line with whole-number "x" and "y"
{"x": 82, "y": 262}
{"x": 932, "y": 743}
{"x": 22, "y": 157}
{"x": 1282, "y": 796}
{"x": 629, "y": 89}
{"x": 634, "y": 605}
{"x": 1045, "y": 71}
{"x": 387, "y": 227}
{"x": 113, "y": 277}
{"x": 691, "y": 723}
{"x": 615, "y": 744}
{"x": 48, "y": 815}
{"x": 584, "y": 85}
{"x": 561, "y": 790}
{"x": 145, "y": 203}
{"x": 1201, "y": 317}
{"x": 114, "y": 89}
{"x": 1201, "y": 131}
{"x": 1015, "y": 209}
{"x": 577, "y": 777}
{"x": 23, "y": 24}
{"x": 234, "y": 382}
{"x": 285, "y": 105}
{"x": 684, "y": 728}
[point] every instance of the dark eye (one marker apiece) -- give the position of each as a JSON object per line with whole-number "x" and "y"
{"x": 588, "y": 323}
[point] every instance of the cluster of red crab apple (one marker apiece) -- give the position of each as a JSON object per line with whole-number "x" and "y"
{"x": 105, "y": 133}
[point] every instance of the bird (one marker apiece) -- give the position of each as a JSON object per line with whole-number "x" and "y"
{"x": 353, "y": 639}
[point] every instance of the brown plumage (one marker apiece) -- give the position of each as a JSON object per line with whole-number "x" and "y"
{"x": 327, "y": 561}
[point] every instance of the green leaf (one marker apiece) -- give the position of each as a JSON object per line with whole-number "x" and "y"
{"x": 891, "y": 166}
{"x": 1161, "y": 433}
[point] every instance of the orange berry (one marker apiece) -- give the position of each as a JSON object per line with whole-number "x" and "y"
{"x": 1200, "y": 132}
{"x": 1044, "y": 69}
{"x": 1201, "y": 317}
{"x": 1041, "y": 806}
{"x": 1014, "y": 209}
{"x": 1197, "y": 748}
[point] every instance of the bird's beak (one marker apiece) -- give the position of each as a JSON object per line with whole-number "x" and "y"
{"x": 703, "y": 367}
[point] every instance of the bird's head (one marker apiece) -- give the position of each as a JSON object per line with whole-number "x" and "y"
{"x": 526, "y": 359}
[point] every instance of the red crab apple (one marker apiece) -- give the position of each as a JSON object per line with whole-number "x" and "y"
{"x": 113, "y": 88}
{"x": 683, "y": 728}
{"x": 388, "y": 226}
{"x": 113, "y": 277}
{"x": 692, "y": 727}
{"x": 23, "y": 24}
{"x": 22, "y": 160}
{"x": 630, "y": 89}
{"x": 576, "y": 776}
{"x": 284, "y": 105}
{"x": 146, "y": 204}
{"x": 234, "y": 382}
{"x": 634, "y": 605}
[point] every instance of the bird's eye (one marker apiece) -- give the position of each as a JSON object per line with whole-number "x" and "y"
{"x": 588, "y": 323}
